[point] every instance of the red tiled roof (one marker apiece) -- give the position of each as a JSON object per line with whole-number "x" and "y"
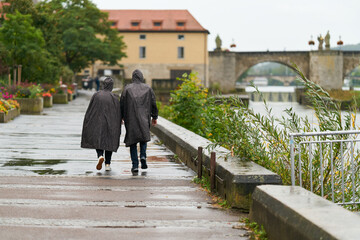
{"x": 169, "y": 19}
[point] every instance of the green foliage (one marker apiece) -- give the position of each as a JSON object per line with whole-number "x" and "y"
{"x": 67, "y": 75}
{"x": 258, "y": 232}
{"x": 29, "y": 91}
{"x": 24, "y": 45}
{"x": 264, "y": 139}
{"x": 22, "y": 6}
{"x": 83, "y": 32}
{"x": 187, "y": 104}
{"x": 204, "y": 182}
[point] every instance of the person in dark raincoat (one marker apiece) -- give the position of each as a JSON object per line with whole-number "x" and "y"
{"x": 138, "y": 106}
{"x": 102, "y": 124}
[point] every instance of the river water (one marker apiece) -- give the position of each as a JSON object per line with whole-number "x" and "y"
{"x": 278, "y": 108}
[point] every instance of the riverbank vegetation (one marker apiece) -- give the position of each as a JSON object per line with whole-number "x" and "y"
{"x": 264, "y": 139}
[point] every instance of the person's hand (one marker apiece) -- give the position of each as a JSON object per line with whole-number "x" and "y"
{"x": 153, "y": 122}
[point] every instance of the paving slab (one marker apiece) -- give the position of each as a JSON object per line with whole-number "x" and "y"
{"x": 50, "y": 189}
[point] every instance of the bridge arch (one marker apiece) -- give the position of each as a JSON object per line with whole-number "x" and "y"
{"x": 327, "y": 68}
{"x": 244, "y": 61}
{"x": 281, "y": 74}
{"x": 351, "y": 61}
{"x": 280, "y": 63}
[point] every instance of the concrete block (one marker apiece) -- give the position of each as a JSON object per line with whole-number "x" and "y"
{"x": 288, "y": 212}
{"x": 12, "y": 113}
{"x": 31, "y": 105}
{"x": 235, "y": 179}
{"x": 60, "y": 98}
{"x": 48, "y": 102}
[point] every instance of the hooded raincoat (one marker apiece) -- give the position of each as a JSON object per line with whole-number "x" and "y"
{"x": 102, "y": 122}
{"x": 138, "y": 106}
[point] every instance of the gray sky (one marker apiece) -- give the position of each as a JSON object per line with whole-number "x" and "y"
{"x": 260, "y": 25}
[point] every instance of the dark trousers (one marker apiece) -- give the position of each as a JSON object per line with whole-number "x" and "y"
{"x": 134, "y": 154}
{"x": 108, "y": 154}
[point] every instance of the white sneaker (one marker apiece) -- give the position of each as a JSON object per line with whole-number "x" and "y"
{"x": 100, "y": 162}
{"x": 107, "y": 167}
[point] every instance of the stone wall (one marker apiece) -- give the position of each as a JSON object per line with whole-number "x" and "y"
{"x": 326, "y": 69}
{"x": 222, "y": 71}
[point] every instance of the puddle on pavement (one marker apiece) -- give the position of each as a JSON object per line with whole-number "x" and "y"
{"x": 49, "y": 171}
{"x": 32, "y": 162}
{"x": 161, "y": 159}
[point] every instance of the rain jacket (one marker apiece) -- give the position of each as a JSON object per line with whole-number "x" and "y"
{"x": 138, "y": 106}
{"x": 102, "y": 122}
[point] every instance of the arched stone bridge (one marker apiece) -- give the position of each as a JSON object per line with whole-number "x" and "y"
{"x": 327, "y": 68}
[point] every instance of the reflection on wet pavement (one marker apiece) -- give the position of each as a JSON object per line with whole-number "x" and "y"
{"x": 49, "y": 144}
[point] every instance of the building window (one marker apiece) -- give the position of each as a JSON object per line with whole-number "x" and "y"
{"x": 113, "y": 24}
{"x": 181, "y": 37}
{"x": 180, "y": 52}
{"x": 180, "y": 24}
{"x": 142, "y": 52}
{"x": 135, "y": 23}
{"x": 142, "y": 36}
{"x": 157, "y": 24}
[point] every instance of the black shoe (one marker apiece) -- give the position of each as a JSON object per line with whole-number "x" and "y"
{"x": 134, "y": 170}
{"x": 143, "y": 164}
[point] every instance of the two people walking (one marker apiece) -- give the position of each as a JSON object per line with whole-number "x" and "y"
{"x": 105, "y": 113}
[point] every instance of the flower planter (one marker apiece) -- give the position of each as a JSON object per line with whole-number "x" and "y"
{"x": 60, "y": 98}
{"x": 12, "y": 113}
{"x": 31, "y": 105}
{"x": 48, "y": 102}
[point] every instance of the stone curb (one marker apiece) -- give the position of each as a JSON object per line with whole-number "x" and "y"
{"x": 235, "y": 179}
{"x": 288, "y": 212}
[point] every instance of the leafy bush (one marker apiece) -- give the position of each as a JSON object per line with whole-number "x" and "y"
{"x": 29, "y": 90}
{"x": 187, "y": 104}
{"x": 264, "y": 139}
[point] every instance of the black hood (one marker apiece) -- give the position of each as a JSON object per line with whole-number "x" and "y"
{"x": 108, "y": 84}
{"x": 137, "y": 77}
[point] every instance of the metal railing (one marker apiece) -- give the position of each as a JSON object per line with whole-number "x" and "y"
{"x": 327, "y": 163}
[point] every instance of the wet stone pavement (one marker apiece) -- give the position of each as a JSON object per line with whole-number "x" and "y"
{"x": 50, "y": 189}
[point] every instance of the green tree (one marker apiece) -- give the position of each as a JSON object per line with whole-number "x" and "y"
{"x": 85, "y": 33}
{"x": 22, "y": 6}
{"x": 25, "y": 46}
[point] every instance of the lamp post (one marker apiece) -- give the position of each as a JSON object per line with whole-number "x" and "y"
{"x": 14, "y": 76}
{"x": 19, "y": 74}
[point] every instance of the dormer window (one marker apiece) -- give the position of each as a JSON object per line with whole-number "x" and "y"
{"x": 157, "y": 23}
{"x": 135, "y": 23}
{"x": 180, "y": 24}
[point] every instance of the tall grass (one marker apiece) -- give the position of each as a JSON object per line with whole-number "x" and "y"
{"x": 264, "y": 139}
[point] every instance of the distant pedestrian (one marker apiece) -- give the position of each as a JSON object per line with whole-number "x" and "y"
{"x": 97, "y": 81}
{"x": 102, "y": 124}
{"x": 138, "y": 106}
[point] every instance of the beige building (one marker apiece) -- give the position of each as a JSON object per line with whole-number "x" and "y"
{"x": 163, "y": 44}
